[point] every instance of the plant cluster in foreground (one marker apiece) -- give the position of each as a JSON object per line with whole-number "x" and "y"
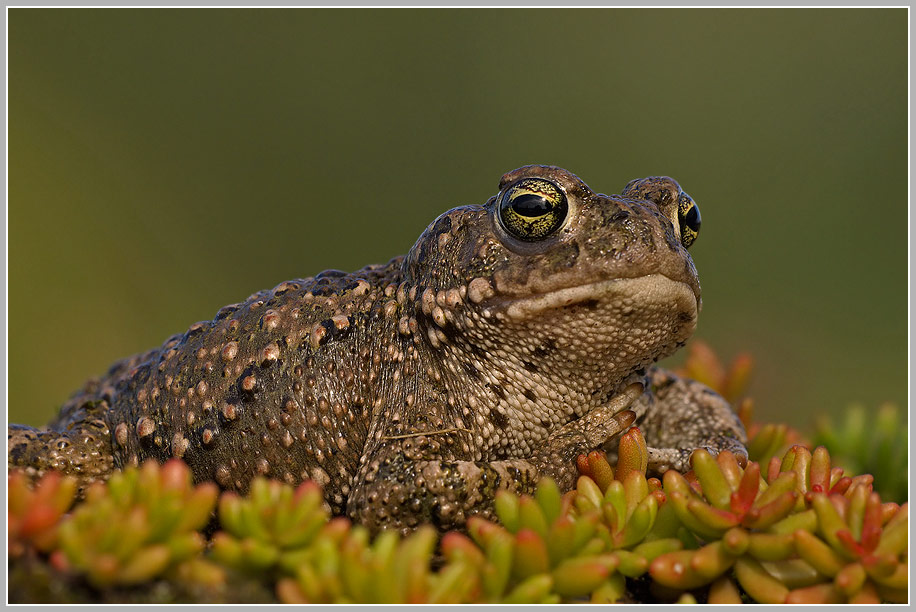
{"x": 785, "y": 526}
{"x": 796, "y": 530}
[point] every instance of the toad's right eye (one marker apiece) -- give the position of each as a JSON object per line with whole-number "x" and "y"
{"x": 532, "y": 208}
{"x": 688, "y": 216}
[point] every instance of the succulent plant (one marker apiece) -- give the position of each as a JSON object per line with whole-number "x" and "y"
{"x": 34, "y": 514}
{"x": 859, "y": 541}
{"x": 346, "y": 566}
{"x": 540, "y": 554}
{"x": 788, "y": 525}
{"x": 268, "y": 529}
{"x": 139, "y": 525}
{"x": 285, "y": 534}
{"x": 581, "y": 546}
{"x": 800, "y": 531}
{"x": 873, "y": 442}
{"x": 805, "y": 533}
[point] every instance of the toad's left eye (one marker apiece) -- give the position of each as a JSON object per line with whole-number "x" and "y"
{"x": 688, "y": 216}
{"x": 532, "y": 209}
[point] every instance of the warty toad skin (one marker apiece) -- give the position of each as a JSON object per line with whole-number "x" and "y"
{"x": 512, "y": 337}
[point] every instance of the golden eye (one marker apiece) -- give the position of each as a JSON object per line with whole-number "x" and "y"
{"x": 532, "y": 208}
{"x": 688, "y": 216}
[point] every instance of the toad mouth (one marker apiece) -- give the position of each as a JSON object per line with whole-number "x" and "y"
{"x": 643, "y": 291}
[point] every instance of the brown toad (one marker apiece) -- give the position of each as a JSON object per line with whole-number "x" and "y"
{"x": 512, "y": 337}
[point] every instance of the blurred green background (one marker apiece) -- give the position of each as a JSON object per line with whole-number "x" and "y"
{"x": 164, "y": 163}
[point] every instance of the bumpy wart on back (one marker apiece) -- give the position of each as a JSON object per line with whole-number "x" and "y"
{"x": 512, "y": 337}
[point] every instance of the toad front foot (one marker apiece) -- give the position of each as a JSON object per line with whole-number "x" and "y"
{"x": 682, "y": 415}
{"x": 557, "y": 458}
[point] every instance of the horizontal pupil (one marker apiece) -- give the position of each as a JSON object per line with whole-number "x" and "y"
{"x": 692, "y": 219}
{"x": 530, "y": 205}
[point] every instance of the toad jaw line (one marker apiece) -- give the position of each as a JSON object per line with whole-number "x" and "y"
{"x": 649, "y": 289}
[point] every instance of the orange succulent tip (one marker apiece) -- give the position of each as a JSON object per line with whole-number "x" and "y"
{"x": 656, "y": 489}
{"x": 592, "y": 463}
{"x": 52, "y": 477}
{"x": 229, "y": 497}
{"x": 727, "y": 459}
{"x": 337, "y": 527}
{"x": 453, "y": 542}
{"x": 454, "y": 538}
{"x": 818, "y": 594}
{"x": 566, "y": 502}
{"x": 819, "y": 468}
{"x": 703, "y": 364}
{"x": 862, "y": 480}
{"x": 746, "y": 412}
{"x": 175, "y": 474}
{"x": 210, "y": 488}
{"x": 582, "y": 465}
{"x": 96, "y": 491}
{"x": 871, "y": 522}
{"x": 871, "y": 535}
{"x": 58, "y": 561}
{"x": 739, "y": 374}
{"x": 888, "y": 510}
{"x": 850, "y": 579}
{"x": 151, "y": 466}
{"x": 842, "y": 485}
{"x": 37, "y": 520}
{"x": 839, "y": 503}
{"x": 691, "y": 477}
{"x": 307, "y": 487}
{"x": 632, "y": 453}
{"x": 735, "y": 540}
{"x": 739, "y": 502}
{"x": 480, "y": 527}
{"x": 774, "y": 467}
{"x": 742, "y": 361}
{"x": 595, "y": 466}
{"x": 527, "y": 535}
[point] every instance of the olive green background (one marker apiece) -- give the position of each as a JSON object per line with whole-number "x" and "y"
{"x": 164, "y": 163}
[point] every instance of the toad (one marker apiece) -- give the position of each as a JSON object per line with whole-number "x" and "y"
{"x": 512, "y": 337}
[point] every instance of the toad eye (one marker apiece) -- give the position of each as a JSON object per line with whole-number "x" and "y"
{"x": 688, "y": 216}
{"x": 532, "y": 209}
